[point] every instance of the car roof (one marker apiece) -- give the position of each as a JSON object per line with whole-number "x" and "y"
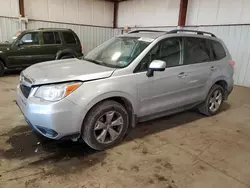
{"x": 47, "y": 29}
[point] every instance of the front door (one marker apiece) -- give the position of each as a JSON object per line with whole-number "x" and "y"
{"x": 25, "y": 51}
{"x": 164, "y": 90}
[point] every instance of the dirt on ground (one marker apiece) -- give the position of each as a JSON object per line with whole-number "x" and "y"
{"x": 184, "y": 150}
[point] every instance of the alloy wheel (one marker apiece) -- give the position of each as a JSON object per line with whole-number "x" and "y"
{"x": 108, "y": 127}
{"x": 215, "y": 100}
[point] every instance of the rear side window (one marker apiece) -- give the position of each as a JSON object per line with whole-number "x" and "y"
{"x": 69, "y": 38}
{"x": 218, "y": 50}
{"x": 51, "y": 38}
{"x": 196, "y": 50}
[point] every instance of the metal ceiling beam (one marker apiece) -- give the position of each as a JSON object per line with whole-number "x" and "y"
{"x": 21, "y": 8}
{"x": 115, "y": 16}
{"x": 183, "y": 13}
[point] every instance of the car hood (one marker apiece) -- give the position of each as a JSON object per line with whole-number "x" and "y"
{"x": 66, "y": 70}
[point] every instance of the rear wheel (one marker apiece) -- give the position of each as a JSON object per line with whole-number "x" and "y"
{"x": 213, "y": 102}
{"x": 105, "y": 125}
{"x": 2, "y": 69}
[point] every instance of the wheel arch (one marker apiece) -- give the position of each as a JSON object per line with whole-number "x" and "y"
{"x": 122, "y": 98}
{"x": 4, "y": 61}
{"x": 64, "y": 52}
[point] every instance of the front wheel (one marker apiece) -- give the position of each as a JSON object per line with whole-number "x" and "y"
{"x": 105, "y": 125}
{"x": 213, "y": 102}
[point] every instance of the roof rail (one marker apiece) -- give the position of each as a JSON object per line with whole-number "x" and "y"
{"x": 144, "y": 30}
{"x": 191, "y": 31}
{"x": 54, "y": 29}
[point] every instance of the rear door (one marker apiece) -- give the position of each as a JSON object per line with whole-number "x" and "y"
{"x": 197, "y": 59}
{"x": 51, "y": 44}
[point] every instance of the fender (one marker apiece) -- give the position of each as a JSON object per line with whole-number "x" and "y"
{"x": 104, "y": 96}
{"x": 221, "y": 78}
{"x": 5, "y": 60}
{"x": 65, "y": 51}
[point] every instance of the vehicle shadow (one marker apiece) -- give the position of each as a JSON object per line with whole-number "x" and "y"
{"x": 65, "y": 156}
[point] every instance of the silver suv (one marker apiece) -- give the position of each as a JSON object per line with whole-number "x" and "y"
{"x": 131, "y": 78}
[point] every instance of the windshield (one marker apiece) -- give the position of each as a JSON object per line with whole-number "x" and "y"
{"x": 13, "y": 38}
{"x": 118, "y": 52}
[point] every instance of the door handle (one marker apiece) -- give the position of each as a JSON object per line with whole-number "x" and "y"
{"x": 213, "y": 68}
{"x": 182, "y": 75}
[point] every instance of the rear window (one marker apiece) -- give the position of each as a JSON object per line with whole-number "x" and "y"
{"x": 51, "y": 38}
{"x": 69, "y": 38}
{"x": 218, "y": 50}
{"x": 196, "y": 50}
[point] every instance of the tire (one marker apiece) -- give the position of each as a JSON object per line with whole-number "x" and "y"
{"x": 99, "y": 113}
{"x": 205, "y": 108}
{"x": 2, "y": 69}
{"x": 67, "y": 57}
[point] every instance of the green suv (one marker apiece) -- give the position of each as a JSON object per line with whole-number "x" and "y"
{"x": 33, "y": 46}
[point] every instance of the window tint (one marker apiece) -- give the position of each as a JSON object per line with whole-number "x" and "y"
{"x": 168, "y": 50}
{"x": 30, "y": 38}
{"x": 144, "y": 64}
{"x": 48, "y": 38}
{"x": 69, "y": 38}
{"x": 218, "y": 50}
{"x": 51, "y": 38}
{"x": 196, "y": 50}
{"x": 57, "y": 38}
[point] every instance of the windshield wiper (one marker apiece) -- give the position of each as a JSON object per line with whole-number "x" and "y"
{"x": 95, "y": 61}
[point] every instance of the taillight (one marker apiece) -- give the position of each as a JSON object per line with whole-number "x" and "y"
{"x": 232, "y": 63}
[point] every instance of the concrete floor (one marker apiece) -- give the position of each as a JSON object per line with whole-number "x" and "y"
{"x": 185, "y": 150}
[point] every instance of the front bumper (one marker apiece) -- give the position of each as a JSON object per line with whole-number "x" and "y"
{"x": 54, "y": 120}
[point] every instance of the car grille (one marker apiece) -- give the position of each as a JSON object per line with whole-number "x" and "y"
{"x": 25, "y": 90}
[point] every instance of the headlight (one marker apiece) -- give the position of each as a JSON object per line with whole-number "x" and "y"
{"x": 56, "y": 92}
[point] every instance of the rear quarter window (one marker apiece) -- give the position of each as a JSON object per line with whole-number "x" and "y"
{"x": 69, "y": 38}
{"x": 218, "y": 50}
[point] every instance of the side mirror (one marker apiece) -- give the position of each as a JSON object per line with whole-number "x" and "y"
{"x": 20, "y": 43}
{"x": 156, "y": 65}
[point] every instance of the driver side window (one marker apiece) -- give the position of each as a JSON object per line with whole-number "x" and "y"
{"x": 30, "y": 39}
{"x": 168, "y": 50}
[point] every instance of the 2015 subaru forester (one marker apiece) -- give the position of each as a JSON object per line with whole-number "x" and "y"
{"x": 131, "y": 78}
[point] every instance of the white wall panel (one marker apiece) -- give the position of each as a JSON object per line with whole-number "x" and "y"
{"x": 37, "y": 9}
{"x": 89, "y": 36}
{"x": 8, "y": 27}
{"x": 143, "y": 13}
{"x": 9, "y": 8}
{"x": 218, "y": 12}
{"x": 89, "y": 12}
{"x": 85, "y": 11}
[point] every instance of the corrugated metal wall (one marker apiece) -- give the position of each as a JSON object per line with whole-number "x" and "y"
{"x": 215, "y": 12}
{"x": 8, "y": 27}
{"x": 90, "y": 36}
